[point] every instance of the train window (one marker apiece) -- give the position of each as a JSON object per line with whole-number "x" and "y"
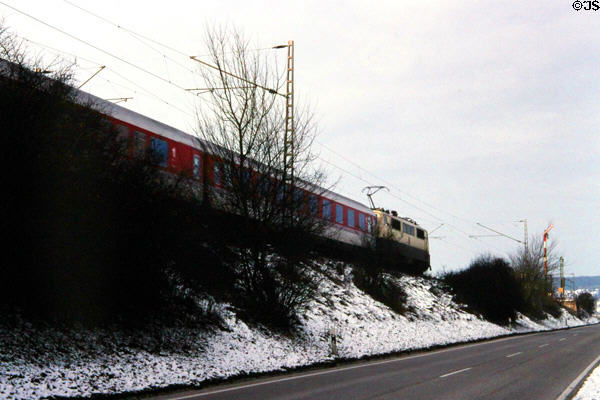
{"x": 279, "y": 196}
{"x": 339, "y": 214}
{"x": 227, "y": 173}
{"x": 123, "y": 136}
{"x": 395, "y": 224}
{"x": 298, "y": 198}
{"x": 326, "y": 209}
{"x": 197, "y": 166}
{"x": 139, "y": 144}
{"x": 351, "y": 219}
{"x": 313, "y": 204}
{"x": 246, "y": 175}
{"x": 218, "y": 173}
{"x": 361, "y": 221}
{"x": 408, "y": 229}
{"x": 160, "y": 151}
{"x": 420, "y": 233}
{"x": 370, "y": 224}
{"x": 264, "y": 185}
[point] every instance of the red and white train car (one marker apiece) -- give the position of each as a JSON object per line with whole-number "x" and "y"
{"x": 178, "y": 151}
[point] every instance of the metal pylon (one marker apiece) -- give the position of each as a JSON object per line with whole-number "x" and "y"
{"x": 288, "y": 144}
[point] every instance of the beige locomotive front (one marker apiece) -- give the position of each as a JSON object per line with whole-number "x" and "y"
{"x": 401, "y": 230}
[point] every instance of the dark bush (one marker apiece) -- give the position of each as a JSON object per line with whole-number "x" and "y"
{"x": 586, "y": 303}
{"x": 489, "y": 287}
{"x": 96, "y": 236}
{"x": 376, "y": 284}
{"x": 92, "y": 233}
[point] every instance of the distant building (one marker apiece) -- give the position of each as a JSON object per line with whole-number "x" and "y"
{"x": 569, "y": 304}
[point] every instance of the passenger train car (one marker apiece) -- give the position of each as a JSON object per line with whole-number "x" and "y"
{"x": 177, "y": 151}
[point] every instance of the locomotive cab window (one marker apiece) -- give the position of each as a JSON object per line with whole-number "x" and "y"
{"x": 395, "y": 224}
{"x": 420, "y": 233}
{"x": 160, "y": 151}
{"x": 409, "y": 229}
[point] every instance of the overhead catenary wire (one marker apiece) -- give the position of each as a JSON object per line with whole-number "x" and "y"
{"x": 94, "y": 47}
{"x": 438, "y": 220}
{"x": 137, "y": 36}
{"x": 147, "y": 93}
{"x": 168, "y": 81}
{"x": 467, "y": 235}
{"x": 391, "y": 184}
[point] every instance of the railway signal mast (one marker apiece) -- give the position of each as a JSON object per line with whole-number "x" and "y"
{"x": 545, "y": 251}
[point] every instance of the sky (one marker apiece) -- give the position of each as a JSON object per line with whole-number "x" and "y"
{"x": 470, "y": 112}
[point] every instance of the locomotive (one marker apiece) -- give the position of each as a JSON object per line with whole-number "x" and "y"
{"x": 350, "y": 220}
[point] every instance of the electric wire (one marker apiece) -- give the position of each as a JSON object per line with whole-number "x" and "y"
{"x": 146, "y": 37}
{"x": 95, "y": 47}
{"x": 139, "y": 37}
{"x": 168, "y": 81}
{"x": 147, "y": 93}
{"x": 392, "y": 185}
{"x": 471, "y": 240}
{"x": 407, "y": 194}
{"x": 127, "y": 30}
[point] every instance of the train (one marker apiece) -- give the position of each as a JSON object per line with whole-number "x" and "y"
{"x": 350, "y": 220}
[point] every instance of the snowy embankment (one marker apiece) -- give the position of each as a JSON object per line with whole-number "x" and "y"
{"x": 38, "y": 362}
{"x": 591, "y": 387}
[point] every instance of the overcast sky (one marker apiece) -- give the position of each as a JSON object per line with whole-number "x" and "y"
{"x": 470, "y": 112}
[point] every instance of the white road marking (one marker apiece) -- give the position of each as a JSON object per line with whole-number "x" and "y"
{"x": 290, "y": 378}
{"x": 544, "y": 345}
{"x": 567, "y": 393}
{"x": 455, "y": 372}
{"x": 514, "y": 354}
{"x": 562, "y": 339}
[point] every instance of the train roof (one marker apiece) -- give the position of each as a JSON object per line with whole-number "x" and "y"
{"x": 123, "y": 114}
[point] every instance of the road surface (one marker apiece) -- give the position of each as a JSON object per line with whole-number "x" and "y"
{"x": 538, "y": 366}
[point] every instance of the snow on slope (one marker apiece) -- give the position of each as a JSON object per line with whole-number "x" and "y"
{"x": 37, "y": 362}
{"x": 591, "y": 387}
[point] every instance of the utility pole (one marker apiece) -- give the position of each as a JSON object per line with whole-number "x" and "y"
{"x": 288, "y": 138}
{"x": 525, "y": 237}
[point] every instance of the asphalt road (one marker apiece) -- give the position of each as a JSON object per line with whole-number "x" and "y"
{"x": 537, "y": 366}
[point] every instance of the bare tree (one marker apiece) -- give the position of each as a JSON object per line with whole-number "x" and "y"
{"x": 242, "y": 124}
{"x": 528, "y": 264}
